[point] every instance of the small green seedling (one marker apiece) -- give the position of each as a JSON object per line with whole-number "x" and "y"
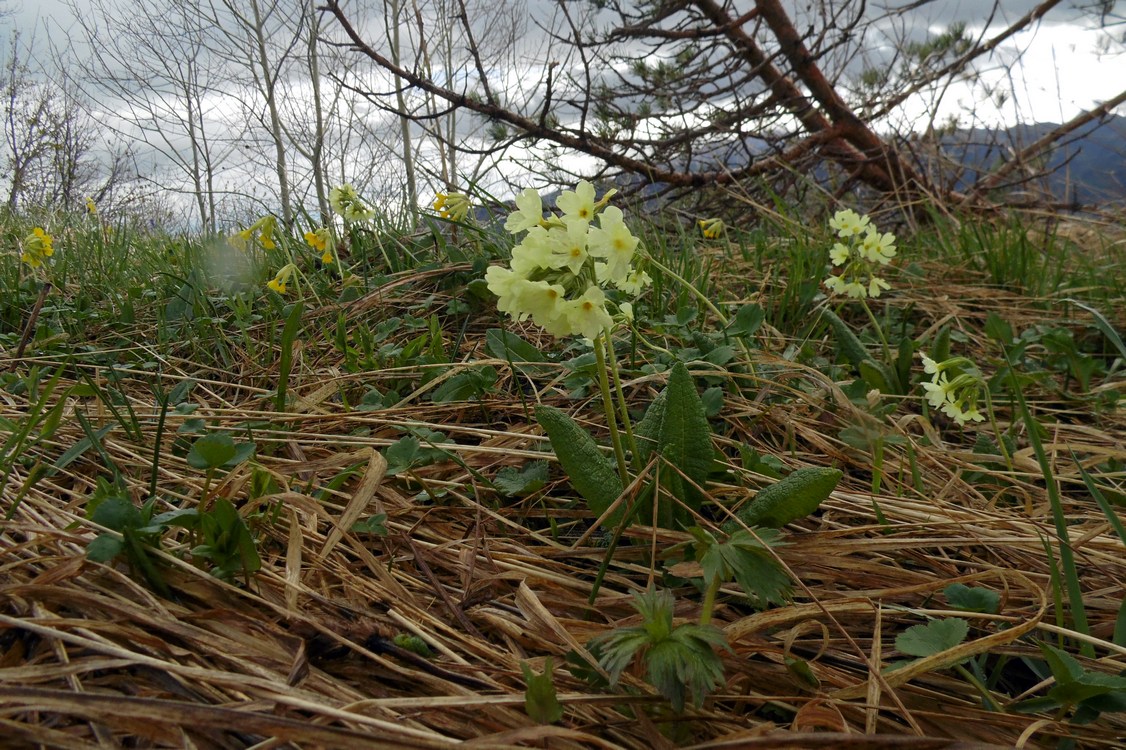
{"x": 681, "y": 661}
{"x": 540, "y": 700}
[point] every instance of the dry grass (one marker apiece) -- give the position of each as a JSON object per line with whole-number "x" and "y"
{"x": 303, "y": 656}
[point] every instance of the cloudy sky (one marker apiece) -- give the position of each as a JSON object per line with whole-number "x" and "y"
{"x": 1066, "y": 63}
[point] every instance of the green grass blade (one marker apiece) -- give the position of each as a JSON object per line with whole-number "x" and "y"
{"x": 285, "y": 365}
{"x": 1067, "y": 555}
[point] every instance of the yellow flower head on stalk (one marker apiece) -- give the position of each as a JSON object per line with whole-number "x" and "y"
{"x": 91, "y": 207}
{"x": 348, "y": 204}
{"x": 37, "y": 247}
{"x": 321, "y": 241}
{"x": 278, "y": 283}
{"x": 453, "y": 206}
{"x": 261, "y": 231}
{"x": 958, "y": 396}
{"x": 862, "y": 251}
{"x": 561, "y": 269}
{"x": 711, "y": 228}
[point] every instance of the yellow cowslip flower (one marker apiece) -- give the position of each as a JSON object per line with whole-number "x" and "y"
{"x": 37, "y": 247}
{"x": 91, "y": 207}
{"x": 278, "y": 283}
{"x": 453, "y": 206}
{"x": 262, "y": 231}
{"x": 711, "y": 228}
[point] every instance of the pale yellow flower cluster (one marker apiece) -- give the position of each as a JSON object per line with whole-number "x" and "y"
{"x": 957, "y": 397}
{"x": 863, "y": 251}
{"x": 347, "y": 203}
{"x": 562, "y": 267}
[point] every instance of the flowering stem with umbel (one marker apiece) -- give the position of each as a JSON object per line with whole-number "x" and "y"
{"x": 29, "y": 329}
{"x": 997, "y": 430}
{"x": 879, "y": 331}
{"x": 608, "y": 403}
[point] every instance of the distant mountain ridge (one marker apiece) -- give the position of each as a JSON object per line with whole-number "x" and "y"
{"x": 1086, "y": 167}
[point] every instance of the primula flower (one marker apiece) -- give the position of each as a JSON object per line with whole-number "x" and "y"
{"x": 37, "y": 247}
{"x": 91, "y": 207}
{"x": 612, "y": 240}
{"x": 529, "y": 212}
{"x": 878, "y": 248}
{"x": 454, "y": 206}
{"x": 859, "y": 257}
{"x": 848, "y": 223}
{"x": 558, "y": 270}
{"x": 711, "y": 228}
{"x": 278, "y": 283}
{"x": 956, "y": 397}
{"x": 261, "y": 231}
{"x": 347, "y": 203}
{"x": 321, "y": 241}
{"x": 587, "y": 315}
{"x": 577, "y": 204}
{"x": 571, "y": 248}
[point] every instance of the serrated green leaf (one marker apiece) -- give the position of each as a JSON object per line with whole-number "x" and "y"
{"x": 800, "y": 669}
{"x": 743, "y": 559}
{"x": 972, "y": 599}
{"x": 540, "y": 700}
{"x": 374, "y": 524}
{"x": 401, "y": 454}
{"x": 933, "y": 637}
{"x": 211, "y": 451}
{"x": 998, "y": 329}
{"x": 513, "y": 482}
{"x": 103, "y": 548}
{"x": 1065, "y": 667}
{"x": 590, "y": 471}
{"x": 117, "y": 513}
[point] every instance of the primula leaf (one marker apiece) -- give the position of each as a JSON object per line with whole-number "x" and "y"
{"x": 591, "y": 471}
{"x": 540, "y": 700}
{"x": 789, "y": 499}
{"x": 513, "y": 482}
{"x": 972, "y": 598}
{"x": 932, "y": 637}
{"x": 685, "y": 440}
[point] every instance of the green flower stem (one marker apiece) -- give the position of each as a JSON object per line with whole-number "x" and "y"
{"x": 709, "y": 600}
{"x": 703, "y": 298}
{"x": 608, "y": 407}
{"x": 879, "y": 331}
{"x": 623, "y": 407}
{"x": 29, "y": 329}
{"x": 996, "y": 430}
